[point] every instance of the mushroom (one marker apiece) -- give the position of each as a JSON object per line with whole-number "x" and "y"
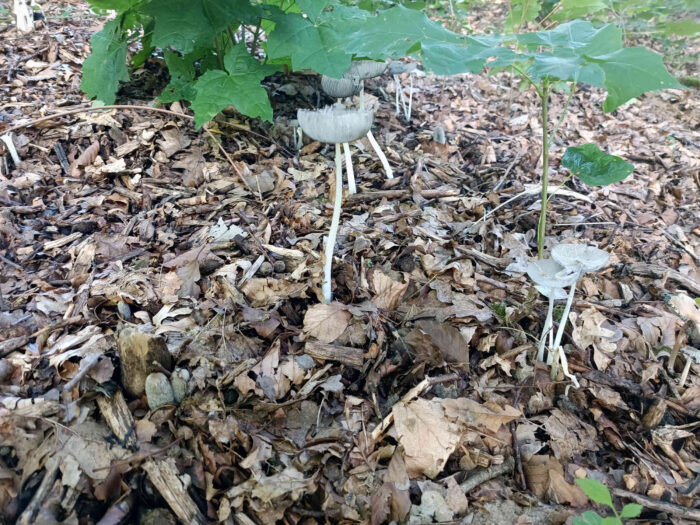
{"x": 396, "y": 69}
{"x": 691, "y": 355}
{"x": 334, "y": 125}
{"x": 550, "y": 278}
{"x": 580, "y": 259}
{"x": 339, "y": 88}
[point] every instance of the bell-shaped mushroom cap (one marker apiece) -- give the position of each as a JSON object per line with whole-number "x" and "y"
{"x": 548, "y": 273}
{"x": 365, "y": 69}
{"x": 335, "y": 124}
{"x": 340, "y": 87}
{"x": 397, "y": 68}
{"x": 581, "y": 256}
{"x": 554, "y": 293}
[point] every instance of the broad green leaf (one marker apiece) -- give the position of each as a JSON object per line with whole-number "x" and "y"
{"x": 595, "y": 491}
{"x": 595, "y": 167}
{"x": 572, "y": 68}
{"x": 106, "y": 65}
{"x": 611, "y": 521}
{"x": 588, "y": 518}
{"x": 189, "y": 24}
{"x": 631, "y": 510}
{"x": 297, "y": 37}
{"x": 577, "y": 37}
{"x": 577, "y": 8}
{"x": 140, "y": 58}
{"x": 181, "y": 85}
{"x": 631, "y": 71}
{"x": 238, "y": 86}
{"x": 685, "y": 27}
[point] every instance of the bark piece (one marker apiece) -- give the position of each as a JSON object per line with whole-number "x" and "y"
{"x": 139, "y": 352}
{"x": 347, "y": 355}
{"x": 119, "y": 419}
{"x": 164, "y": 476}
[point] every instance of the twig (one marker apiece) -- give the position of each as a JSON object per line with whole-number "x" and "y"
{"x": 687, "y": 513}
{"x": 485, "y": 475}
{"x": 87, "y": 364}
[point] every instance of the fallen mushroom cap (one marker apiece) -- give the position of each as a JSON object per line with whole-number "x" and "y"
{"x": 340, "y": 87}
{"x": 691, "y": 353}
{"x": 548, "y": 273}
{"x": 335, "y": 124}
{"x": 362, "y": 69}
{"x": 581, "y": 256}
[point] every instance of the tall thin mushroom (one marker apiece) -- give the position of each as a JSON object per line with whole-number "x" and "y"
{"x": 340, "y": 88}
{"x": 334, "y": 125}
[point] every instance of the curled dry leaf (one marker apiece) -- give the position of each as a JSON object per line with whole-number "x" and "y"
{"x": 387, "y": 291}
{"x": 86, "y": 158}
{"x": 326, "y": 322}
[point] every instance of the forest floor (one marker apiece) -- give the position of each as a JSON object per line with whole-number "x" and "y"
{"x": 128, "y": 237}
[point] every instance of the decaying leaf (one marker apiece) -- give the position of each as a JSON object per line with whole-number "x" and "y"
{"x": 326, "y": 322}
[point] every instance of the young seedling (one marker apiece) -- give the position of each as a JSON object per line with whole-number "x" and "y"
{"x": 600, "y": 494}
{"x": 334, "y": 125}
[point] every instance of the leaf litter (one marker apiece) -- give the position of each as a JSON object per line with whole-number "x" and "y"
{"x": 130, "y": 245}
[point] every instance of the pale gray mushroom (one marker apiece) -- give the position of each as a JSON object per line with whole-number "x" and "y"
{"x": 692, "y": 355}
{"x": 396, "y": 69}
{"x": 551, "y": 278}
{"x": 579, "y": 259}
{"x": 335, "y": 125}
{"x": 339, "y": 88}
{"x": 360, "y": 70}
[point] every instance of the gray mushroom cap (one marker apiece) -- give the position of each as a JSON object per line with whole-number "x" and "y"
{"x": 580, "y": 256}
{"x": 397, "y": 68}
{"x": 335, "y": 124}
{"x": 365, "y": 69}
{"x": 556, "y": 294}
{"x": 340, "y": 87}
{"x": 548, "y": 273}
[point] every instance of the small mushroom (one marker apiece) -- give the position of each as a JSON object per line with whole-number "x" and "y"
{"x": 551, "y": 278}
{"x": 692, "y": 355}
{"x": 396, "y": 69}
{"x": 334, "y": 125}
{"x": 340, "y": 88}
{"x": 580, "y": 259}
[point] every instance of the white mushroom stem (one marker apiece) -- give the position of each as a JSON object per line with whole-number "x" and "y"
{"x": 385, "y": 163}
{"x": 686, "y": 370}
{"x": 348, "y": 166}
{"x": 556, "y": 348}
{"x": 335, "y": 222}
{"x": 547, "y": 328}
{"x": 410, "y": 101}
{"x": 397, "y": 83}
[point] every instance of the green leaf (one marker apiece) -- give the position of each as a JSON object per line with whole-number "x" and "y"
{"x": 595, "y": 168}
{"x": 577, "y": 37}
{"x": 521, "y": 11}
{"x": 685, "y": 27}
{"x": 631, "y": 71}
{"x": 140, "y": 58}
{"x": 697, "y": 301}
{"x": 631, "y": 510}
{"x": 117, "y": 5}
{"x": 297, "y": 37}
{"x": 190, "y": 24}
{"x": 238, "y": 86}
{"x": 106, "y": 65}
{"x": 577, "y": 8}
{"x": 611, "y": 521}
{"x": 181, "y": 85}
{"x": 569, "y": 68}
{"x": 595, "y": 491}
{"x": 588, "y": 518}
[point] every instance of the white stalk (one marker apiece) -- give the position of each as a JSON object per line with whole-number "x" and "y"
{"x": 565, "y": 315}
{"x": 387, "y": 169}
{"x": 547, "y": 328}
{"x": 410, "y": 101}
{"x": 556, "y": 350}
{"x": 348, "y": 167}
{"x": 565, "y": 366}
{"x": 335, "y": 222}
{"x": 397, "y": 83}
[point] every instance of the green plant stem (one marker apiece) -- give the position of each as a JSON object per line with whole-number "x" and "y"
{"x": 542, "y": 224}
{"x": 219, "y": 54}
{"x": 537, "y": 88}
{"x": 256, "y": 36}
{"x": 563, "y": 113}
{"x": 231, "y": 37}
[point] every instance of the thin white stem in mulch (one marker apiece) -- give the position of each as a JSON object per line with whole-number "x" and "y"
{"x": 385, "y": 163}
{"x": 692, "y": 355}
{"x": 352, "y": 188}
{"x": 334, "y": 125}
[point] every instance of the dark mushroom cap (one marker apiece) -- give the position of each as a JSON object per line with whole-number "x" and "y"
{"x": 365, "y": 69}
{"x": 335, "y": 124}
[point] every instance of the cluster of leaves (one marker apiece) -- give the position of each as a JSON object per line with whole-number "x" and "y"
{"x": 212, "y": 68}
{"x": 600, "y": 494}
